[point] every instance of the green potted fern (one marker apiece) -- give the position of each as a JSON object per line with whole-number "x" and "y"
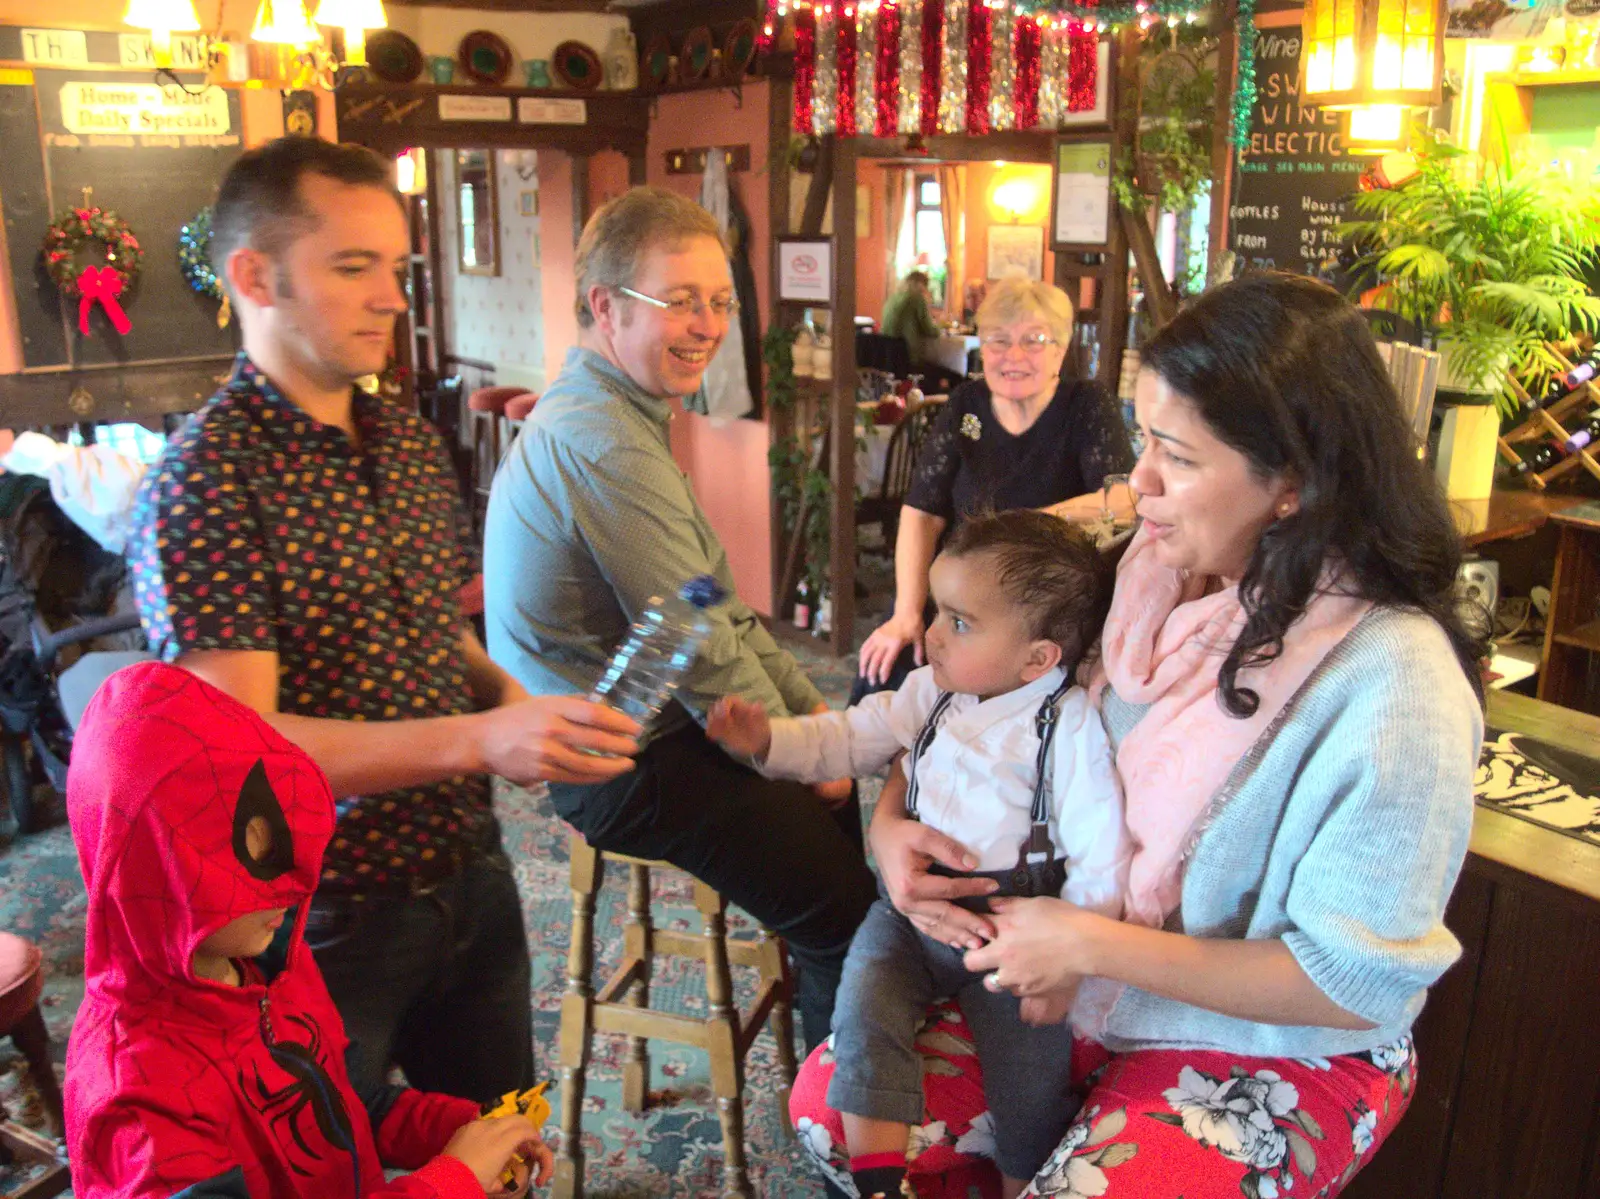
{"x": 1489, "y": 259}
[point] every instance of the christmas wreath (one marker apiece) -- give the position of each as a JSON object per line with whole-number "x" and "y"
{"x": 194, "y": 260}
{"x": 70, "y": 233}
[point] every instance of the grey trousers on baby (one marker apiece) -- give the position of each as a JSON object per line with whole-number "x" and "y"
{"x": 891, "y": 976}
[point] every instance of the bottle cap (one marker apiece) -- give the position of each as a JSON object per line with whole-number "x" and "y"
{"x": 703, "y": 591}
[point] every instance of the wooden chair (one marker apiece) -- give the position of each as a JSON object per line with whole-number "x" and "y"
{"x": 21, "y": 983}
{"x": 883, "y": 509}
{"x": 488, "y": 436}
{"x": 622, "y": 1005}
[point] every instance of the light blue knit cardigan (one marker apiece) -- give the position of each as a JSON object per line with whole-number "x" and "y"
{"x": 1341, "y": 832}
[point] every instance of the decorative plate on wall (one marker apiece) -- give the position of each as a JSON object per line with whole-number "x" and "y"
{"x": 739, "y": 49}
{"x": 577, "y": 66}
{"x": 696, "y": 58}
{"x": 484, "y": 57}
{"x": 656, "y": 62}
{"x": 393, "y": 56}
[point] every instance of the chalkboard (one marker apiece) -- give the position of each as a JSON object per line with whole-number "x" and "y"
{"x": 1290, "y": 187}
{"x": 152, "y": 152}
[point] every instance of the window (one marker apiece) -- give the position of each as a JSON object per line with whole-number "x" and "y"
{"x": 928, "y": 238}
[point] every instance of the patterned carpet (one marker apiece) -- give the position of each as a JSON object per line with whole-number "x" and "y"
{"x": 675, "y": 1149}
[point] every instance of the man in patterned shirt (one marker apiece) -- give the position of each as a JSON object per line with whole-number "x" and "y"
{"x": 588, "y": 519}
{"x": 300, "y": 546}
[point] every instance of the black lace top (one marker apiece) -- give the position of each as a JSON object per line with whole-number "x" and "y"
{"x": 968, "y": 463}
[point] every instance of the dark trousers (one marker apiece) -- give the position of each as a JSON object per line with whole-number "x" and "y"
{"x": 439, "y": 983}
{"x": 772, "y": 848}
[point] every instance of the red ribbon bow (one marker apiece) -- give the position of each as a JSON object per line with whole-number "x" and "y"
{"x": 103, "y": 284}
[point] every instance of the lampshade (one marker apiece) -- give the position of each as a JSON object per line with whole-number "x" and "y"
{"x": 1373, "y": 52}
{"x": 352, "y": 14}
{"x": 355, "y": 17}
{"x": 284, "y": 22}
{"x": 1375, "y": 129}
{"x": 161, "y": 14}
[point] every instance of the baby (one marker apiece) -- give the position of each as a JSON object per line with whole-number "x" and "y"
{"x": 1006, "y": 756}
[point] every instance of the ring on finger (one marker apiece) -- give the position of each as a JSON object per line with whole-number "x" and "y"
{"x": 992, "y": 983}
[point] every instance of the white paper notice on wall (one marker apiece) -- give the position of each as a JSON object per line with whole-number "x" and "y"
{"x": 1083, "y": 194}
{"x": 55, "y": 47}
{"x": 542, "y": 110}
{"x": 474, "y": 108}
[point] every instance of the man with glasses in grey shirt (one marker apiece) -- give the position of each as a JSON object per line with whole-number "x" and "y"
{"x": 589, "y": 518}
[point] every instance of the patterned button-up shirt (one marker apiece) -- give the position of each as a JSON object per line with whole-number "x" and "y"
{"x": 263, "y": 529}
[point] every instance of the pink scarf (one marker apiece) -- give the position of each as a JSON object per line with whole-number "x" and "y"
{"x": 1163, "y": 645}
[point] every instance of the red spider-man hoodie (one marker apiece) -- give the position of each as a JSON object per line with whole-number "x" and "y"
{"x": 179, "y": 1086}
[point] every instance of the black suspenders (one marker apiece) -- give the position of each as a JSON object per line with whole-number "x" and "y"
{"x": 1038, "y": 871}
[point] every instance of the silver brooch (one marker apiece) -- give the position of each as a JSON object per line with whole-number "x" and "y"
{"x": 971, "y": 426}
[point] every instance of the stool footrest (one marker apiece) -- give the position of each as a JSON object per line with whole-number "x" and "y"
{"x": 643, "y": 1022}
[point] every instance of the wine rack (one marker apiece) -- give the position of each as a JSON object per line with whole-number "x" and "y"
{"x": 1547, "y": 422}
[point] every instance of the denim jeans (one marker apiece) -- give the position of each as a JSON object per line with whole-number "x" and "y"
{"x": 438, "y": 983}
{"x": 770, "y": 847}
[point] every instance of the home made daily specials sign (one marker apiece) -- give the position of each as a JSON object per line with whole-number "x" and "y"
{"x": 1290, "y": 187}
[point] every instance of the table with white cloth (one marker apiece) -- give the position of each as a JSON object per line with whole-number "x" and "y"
{"x": 950, "y": 350}
{"x": 872, "y": 456}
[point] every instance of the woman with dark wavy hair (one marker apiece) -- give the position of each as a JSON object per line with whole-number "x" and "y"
{"x": 1295, "y": 706}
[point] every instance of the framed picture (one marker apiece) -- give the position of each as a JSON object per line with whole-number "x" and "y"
{"x": 1080, "y": 208}
{"x": 477, "y": 213}
{"x": 1015, "y": 249}
{"x": 805, "y": 270}
{"x": 1104, "y": 87}
{"x": 528, "y": 203}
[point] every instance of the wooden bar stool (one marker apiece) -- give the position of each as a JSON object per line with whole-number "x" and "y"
{"x": 622, "y": 1005}
{"x": 21, "y": 983}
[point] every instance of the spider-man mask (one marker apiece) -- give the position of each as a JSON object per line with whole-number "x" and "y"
{"x": 188, "y": 811}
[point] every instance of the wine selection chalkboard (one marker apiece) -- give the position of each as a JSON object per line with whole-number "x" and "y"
{"x": 153, "y": 152}
{"x": 1289, "y": 189}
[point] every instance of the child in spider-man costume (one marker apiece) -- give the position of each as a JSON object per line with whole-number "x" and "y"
{"x": 207, "y": 1060}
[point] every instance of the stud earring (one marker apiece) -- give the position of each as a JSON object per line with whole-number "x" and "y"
{"x": 1284, "y": 510}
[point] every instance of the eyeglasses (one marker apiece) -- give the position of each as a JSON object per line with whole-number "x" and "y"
{"x": 684, "y": 307}
{"x": 1030, "y": 343}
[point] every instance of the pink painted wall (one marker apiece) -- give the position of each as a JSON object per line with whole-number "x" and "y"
{"x": 872, "y": 251}
{"x": 727, "y": 465}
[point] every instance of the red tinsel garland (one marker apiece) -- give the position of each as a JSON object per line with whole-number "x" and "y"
{"x": 932, "y": 39}
{"x": 886, "y": 80}
{"x": 1083, "y": 65}
{"x": 845, "y": 56}
{"x": 1025, "y": 87}
{"x": 980, "y": 52}
{"x": 805, "y": 67}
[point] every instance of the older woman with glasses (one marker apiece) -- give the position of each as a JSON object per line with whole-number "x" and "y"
{"x": 1023, "y": 436}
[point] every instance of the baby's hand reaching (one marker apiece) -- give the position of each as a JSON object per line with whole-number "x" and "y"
{"x": 740, "y": 727}
{"x": 1044, "y": 1010}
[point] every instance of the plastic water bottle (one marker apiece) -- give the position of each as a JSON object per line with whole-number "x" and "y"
{"x": 658, "y": 651}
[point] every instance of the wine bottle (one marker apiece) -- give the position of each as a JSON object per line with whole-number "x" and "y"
{"x": 1584, "y": 435}
{"x": 1583, "y": 371}
{"x": 802, "y": 605}
{"x": 1563, "y": 385}
{"x": 1535, "y": 457}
